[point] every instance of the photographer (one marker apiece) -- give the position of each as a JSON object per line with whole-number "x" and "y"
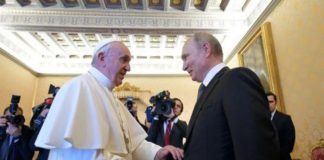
{"x": 15, "y": 135}
{"x": 166, "y": 127}
{"x": 40, "y": 112}
{"x": 132, "y": 108}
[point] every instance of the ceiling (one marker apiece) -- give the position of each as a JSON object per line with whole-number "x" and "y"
{"x": 57, "y": 37}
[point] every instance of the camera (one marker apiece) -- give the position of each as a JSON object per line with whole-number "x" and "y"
{"x": 129, "y": 103}
{"x": 17, "y": 120}
{"x": 53, "y": 90}
{"x": 47, "y": 102}
{"x": 162, "y": 102}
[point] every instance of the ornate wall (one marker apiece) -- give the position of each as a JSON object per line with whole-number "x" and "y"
{"x": 298, "y": 34}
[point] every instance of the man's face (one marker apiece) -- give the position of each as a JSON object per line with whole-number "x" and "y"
{"x": 177, "y": 108}
{"x": 117, "y": 63}
{"x": 272, "y": 103}
{"x": 193, "y": 60}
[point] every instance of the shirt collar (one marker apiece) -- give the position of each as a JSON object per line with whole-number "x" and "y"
{"x": 101, "y": 78}
{"x": 173, "y": 121}
{"x": 212, "y": 72}
{"x": 272, "y": 114}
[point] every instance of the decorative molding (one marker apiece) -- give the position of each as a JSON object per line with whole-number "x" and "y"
{"x": 113, "y": 20}
{"x": 126, "y": 90}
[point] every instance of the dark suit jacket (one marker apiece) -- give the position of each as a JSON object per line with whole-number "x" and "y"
{"x": 178, "y": 132}
{"x": 286, "y": 131}
{"x": 19, "y": 148}
{"x": 231, "y": 120}
{"x": 42, "y": 152}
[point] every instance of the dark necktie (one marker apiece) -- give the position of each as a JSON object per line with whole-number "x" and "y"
{"x": 167, "y": 134}
{"x": 201, "y": 90}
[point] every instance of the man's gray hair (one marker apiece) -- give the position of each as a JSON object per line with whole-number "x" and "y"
{"x": 202, "y": 37}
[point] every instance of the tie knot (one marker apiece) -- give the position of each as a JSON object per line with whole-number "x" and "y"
{"x": 201, "y": 90}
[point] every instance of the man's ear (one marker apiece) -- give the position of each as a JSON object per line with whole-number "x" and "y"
{"x": 207, "y": 49}
{"x": 101, "y": 56}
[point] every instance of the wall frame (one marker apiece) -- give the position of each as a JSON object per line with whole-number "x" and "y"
{"x": 258, "y": 54}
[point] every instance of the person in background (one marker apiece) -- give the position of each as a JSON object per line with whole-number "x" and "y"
{"x": 231, "y": 118}
{"x": 132, "y": 108}
{"x": 149, "y": 116}
{"x": 87, "y": 121}
{"x": 285, "y": 128}
{"x": 168, "y": 130}
{"x": 36, "y": 123}
{"x": 15, "y": 143}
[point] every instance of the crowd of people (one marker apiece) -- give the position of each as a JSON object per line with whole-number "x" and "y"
{"x": 95, "y": 125}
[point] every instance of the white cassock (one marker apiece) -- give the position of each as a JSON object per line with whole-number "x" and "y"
{"x": 86, "y": 121}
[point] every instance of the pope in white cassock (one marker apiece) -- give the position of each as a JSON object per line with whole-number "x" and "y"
{"x": 87, "y": 122}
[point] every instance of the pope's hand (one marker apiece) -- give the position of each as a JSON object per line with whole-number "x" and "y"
{"x": 176, "y": 153}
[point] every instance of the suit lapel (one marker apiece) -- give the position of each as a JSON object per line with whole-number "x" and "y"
{"x": 202, "y": 99}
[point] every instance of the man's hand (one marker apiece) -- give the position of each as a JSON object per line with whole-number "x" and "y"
{"x": 176, "y": 153}
{"x": 3, "y": 121}
{"x": 44, "y": 112}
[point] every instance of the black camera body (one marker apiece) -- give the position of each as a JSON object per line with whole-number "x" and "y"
{"x": 17, "y": 120}
{"x": 129, "y": 103}
{"x": 162, "y": 102}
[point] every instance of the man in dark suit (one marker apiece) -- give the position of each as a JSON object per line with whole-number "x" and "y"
{"x": 158, "y": 129}
{"x": 231, "y": 119}
{"x": 14, "y": 145}
{"x": 284, "y": 126}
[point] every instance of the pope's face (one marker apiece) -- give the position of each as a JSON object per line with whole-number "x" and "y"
{"x": 117, "y": 62}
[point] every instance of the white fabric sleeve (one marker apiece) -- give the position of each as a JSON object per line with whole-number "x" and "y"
{"x": 145, "y": 151}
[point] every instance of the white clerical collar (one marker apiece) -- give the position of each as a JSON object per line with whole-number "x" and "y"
{"x": 101, "y": 78}
{"x": 212, "y": 72}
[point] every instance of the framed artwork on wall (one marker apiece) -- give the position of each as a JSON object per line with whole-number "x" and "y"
{"x": 258, "y": 54}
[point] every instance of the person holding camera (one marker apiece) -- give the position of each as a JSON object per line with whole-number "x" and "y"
{"x": 87, "y": 121}
{"x": 132, "y": 108}
{"x": 168, "y": 129}
{"x": 15, "y": 142}
{"x": 36, "y": 123}
{"x": 39, "y": 115}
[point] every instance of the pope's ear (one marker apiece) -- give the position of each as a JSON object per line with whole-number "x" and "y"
{"x": 100, "y": 56}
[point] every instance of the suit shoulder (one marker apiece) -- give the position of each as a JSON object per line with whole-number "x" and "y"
{"x": 283, "y": 114}
{"x": 182, "y": 122}
{"x": 240, "y": 70}
{"x": 241, "y": 73}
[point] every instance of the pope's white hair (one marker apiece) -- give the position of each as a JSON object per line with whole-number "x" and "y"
{"x": 102, "y": 46}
